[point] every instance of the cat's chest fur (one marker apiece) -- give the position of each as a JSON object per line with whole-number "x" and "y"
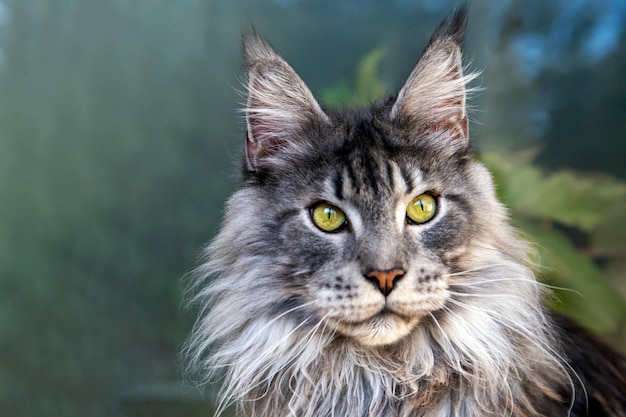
{"x": 365, "y": 267}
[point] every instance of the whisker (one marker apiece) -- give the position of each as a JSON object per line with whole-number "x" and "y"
{"x": 530, "y": 281}
{"x": 499, "y": 296}
{"x": 469, "y": 272}
{"x": 480, "y": 268}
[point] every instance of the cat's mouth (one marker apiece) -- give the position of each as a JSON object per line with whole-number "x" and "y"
{"x": 387, "y": 310}
{"x": 383, "y": 328}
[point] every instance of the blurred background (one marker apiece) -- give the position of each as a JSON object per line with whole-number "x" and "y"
{"x": 120, "y": 141}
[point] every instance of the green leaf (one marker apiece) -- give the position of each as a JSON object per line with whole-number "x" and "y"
{"x": 368, "y": 86}
{"x": 608, "y": 237}
{"x": 589, "y": 296}
{"x": 581, "y": 201}
{"x": 340, "y": 94}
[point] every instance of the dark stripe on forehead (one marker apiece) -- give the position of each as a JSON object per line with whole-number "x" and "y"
{"x": 367, "y": 156}
{"x": 367, "y": 171}
{"x": 371, "y": 172}
{"x": 338, "y": 185}
{"x": 390, "y": 179}
{"x": 354, "y": 180}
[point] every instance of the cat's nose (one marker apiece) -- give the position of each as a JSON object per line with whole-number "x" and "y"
{"x": 385, "y": 280}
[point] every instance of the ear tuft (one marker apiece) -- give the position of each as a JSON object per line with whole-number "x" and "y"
{"x": 279, "y": 105}
{"x": 257, "y": 50}
{"x": 433, "y": 97}
{"x": 452, "y": 27}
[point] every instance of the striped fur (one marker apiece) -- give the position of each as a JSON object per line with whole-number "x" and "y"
{"x": 286, "y": 317}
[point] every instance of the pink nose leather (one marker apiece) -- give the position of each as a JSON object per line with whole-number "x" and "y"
{"x": 385, "y": 279}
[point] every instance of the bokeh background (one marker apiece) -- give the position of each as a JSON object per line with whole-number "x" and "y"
{"x": 120, "y": 141}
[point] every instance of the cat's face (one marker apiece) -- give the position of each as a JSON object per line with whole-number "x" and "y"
{"x": 367, "y": 212}
{"x": 368, "y": 228}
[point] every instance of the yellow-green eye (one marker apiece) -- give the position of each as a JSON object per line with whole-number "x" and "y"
{"x": 328, "y": 217}
{"x": 422, "y": 208}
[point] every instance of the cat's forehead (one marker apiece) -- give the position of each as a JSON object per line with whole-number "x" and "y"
{"x": 361, "y": 158}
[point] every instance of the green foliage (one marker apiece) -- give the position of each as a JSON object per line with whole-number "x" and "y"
{"x": 367, "y": 87}
{"x": 567, "y": 214}
{"x": 580, "y": 201}
{"x": 111, "y": 181}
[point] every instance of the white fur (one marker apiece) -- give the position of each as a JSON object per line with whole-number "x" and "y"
{"x": 491, "y": 331}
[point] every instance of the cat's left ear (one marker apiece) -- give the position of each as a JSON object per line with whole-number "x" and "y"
{"x": 432, "y": 101}
{"x": 279, "y": 108}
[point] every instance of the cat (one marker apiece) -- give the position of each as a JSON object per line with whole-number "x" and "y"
{"x": 365, "y": 267}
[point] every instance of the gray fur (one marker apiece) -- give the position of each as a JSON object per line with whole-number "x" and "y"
{"x": 287, "y": 318}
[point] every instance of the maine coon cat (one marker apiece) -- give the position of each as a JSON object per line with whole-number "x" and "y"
{"x": 366, "y": 269}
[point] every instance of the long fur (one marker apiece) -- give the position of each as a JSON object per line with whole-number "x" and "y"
{"x": 491, "y": 350}
{"x": 286, "y": 321}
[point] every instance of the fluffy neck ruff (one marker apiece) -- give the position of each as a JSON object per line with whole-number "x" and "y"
{"x": 490, "y": 352}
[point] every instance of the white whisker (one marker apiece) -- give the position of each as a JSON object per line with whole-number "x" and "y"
{"x": 497, "y": 296}
{"x": 531, "y": 281}
{"x": 478, "y": 268}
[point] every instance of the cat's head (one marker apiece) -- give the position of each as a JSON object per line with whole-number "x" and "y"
{"x": 365, "y": 254}
{"x": 363, "y": 216}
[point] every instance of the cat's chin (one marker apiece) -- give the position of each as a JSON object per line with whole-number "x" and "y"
{"x": 382, "y": 329}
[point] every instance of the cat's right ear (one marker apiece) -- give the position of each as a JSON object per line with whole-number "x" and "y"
{"x": 279, "y": 105}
